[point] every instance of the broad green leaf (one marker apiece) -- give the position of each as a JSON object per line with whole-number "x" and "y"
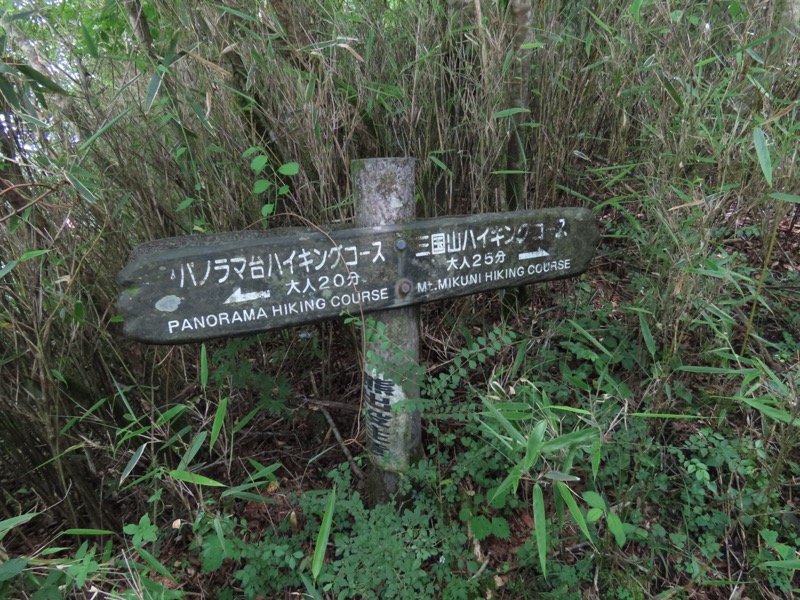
{"x": 615, "y": 527}
{"x": 267, "y": 210}
{"x": 594, "y": 514}
{"x": 185, "y": 204}
{"x": 576, "y": 513}
{"x": 762, "y": 152}
{"x": 261, "y": 186}
{"x": 11, "y": 568}
{"x": 203, "y": 367}
{"x": 290, "y": 168}
{"x": 219, "y": 421}
{"x": 258, "y": 163}
{"x": 322, "y": 538}
{"x": 594, "y": 499}
{"x": 540, "y": 527}
{"x": 194, "y": 478}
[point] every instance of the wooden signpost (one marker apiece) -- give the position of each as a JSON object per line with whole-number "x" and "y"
{"x": 195, "y": 288}
{"x": 205, "y": 287}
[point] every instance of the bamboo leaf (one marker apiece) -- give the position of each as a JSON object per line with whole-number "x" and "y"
{"x": 219, "y": 420}
{"x": 591, "y": 339}
{"x": 87, "y": 532}
{"x": 197, "y": 442}
{"x": 322, "y": 538}
{"x": 32, "y": 254}
{"x": 152, "y": 561}
{"x": 84, "y": 192}
{"x": 540, "y": 526}
{"x": 203, "y": 367}
{"x": 762, "y": 152}
{"x": 534, "y": 448}
{"x": 7, "y": 268}
{"x": 8, "y": 524}
{"x": 781, "y": 564}
{"x": 41, "y": 79}
{"x": 82, "y": 148}
{"x": 649, "y": 342}
{"x": 576, "y": 513}
{"x": 194, "y": 478}
{"x": 785, "y": 197}
{"x": 509, "y": 112}
{"x": 91, "y": 46}
{"x": 441, "y": 165}
{"x": 152, "y": 90}
{"x": 511, "y": 480}
{"x": 132, "y": 462}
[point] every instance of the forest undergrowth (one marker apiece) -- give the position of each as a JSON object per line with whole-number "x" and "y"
{"x": 631, "y": 433}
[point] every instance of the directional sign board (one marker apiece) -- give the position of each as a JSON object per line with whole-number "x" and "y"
{"x": 195, "y": 288}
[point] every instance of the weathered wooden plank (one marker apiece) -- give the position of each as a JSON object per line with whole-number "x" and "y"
{"x": 190, "y": 289}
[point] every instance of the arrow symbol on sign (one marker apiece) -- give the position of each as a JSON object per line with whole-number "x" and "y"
{"x": 538, "y": 254}
{"x": 238, "y": 296}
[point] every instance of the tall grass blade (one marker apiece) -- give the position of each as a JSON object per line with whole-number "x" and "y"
{"x": 540, "y": 527}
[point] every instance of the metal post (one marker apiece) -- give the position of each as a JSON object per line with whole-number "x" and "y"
{"x": 384, "y": 195}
